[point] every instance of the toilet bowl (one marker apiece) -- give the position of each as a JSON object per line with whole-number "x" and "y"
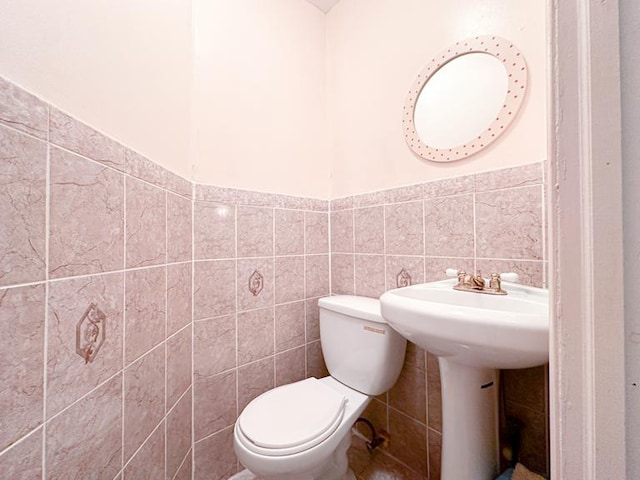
{"x": 301, "y": 431}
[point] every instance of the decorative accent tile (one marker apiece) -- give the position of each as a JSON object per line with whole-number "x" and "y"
{"x": 214, "y": 230}
{"x": 255, "y": 335}
{"x": 144, "y": 397}
{"x": 404, "y": 271}
{"x": 146, "y": 225}
{"x": 69, "y": 377}
{"x": 22, "y": 206}
{"x": 178, "y": 228}
{"x": 23, "y": 111}
{"x": 149, "y": 460}
{"x": 253, "y": 380}
{"x": 369, "y": 230}
{"x": 24, "y": 460}
{"x": 342, "y": 231}
{"x": 409, "y": 394}
{"x": 178, "y": 365}
{"x": 404, "y": 229}
{"x": 214, "y": 346}
{"x": 255, "y": 232}
{"x": 91, "y": 443}
{"x": 312, "y": 319}
{"x": 178, "y": 434}
{"x": 69, "y": 133}
{"x": 87, "y": 217}
{"x": 509, "y": 177}
{"x": 214, "y": 288}
{"x": 91, "y": 333}
{"x": 449, "y": 226}
{"x": 343, "y": 274}
{"x": 220, "y": 466}
{"x": 449, "y": 186}
{"x": 289, "y": 279}
{"x": 317, "y": 281}
{"x": 370, "y": 280}
{"x": 290, "y": 366}
{"x": 145, "y": 314}
{"x": 509, "y": 224}
{"x": 21, "y": 377}
{"x": 255, "y": 283}
{"x": 289, "y": 234}
{"x": 316, "y": 232}
{"x": 214, "y": 403}
{"x": 290, "y": 326}
{"x": 178, "y": 296}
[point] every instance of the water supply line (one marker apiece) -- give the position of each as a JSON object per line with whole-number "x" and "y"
{"x": 376, "y": 440}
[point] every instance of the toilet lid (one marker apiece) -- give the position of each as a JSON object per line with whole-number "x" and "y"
{"x": 293, "y": 415}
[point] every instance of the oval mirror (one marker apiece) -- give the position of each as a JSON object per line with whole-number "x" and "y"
{"x": 464, "y": 99}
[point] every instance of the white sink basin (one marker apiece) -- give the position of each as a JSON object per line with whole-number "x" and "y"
{"x": 480, "y": 330}
{"x": 473, "y": 335}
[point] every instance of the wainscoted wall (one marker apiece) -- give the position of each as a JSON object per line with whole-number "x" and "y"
{"x": 95, "y": 303}
{"x": 133, "y": 302}
{"x": 261, "y": 263}
{"x": 492, "y": 222}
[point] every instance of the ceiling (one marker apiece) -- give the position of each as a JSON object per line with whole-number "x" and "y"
{"x": 324, "y": 5}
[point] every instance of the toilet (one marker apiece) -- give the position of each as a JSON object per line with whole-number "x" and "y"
{"x": 301, "y": 431}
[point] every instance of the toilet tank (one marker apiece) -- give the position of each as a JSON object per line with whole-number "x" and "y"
{"x": 360, "y": 349}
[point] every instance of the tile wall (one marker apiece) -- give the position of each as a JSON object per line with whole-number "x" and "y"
{"x": 261, "y": 262}
{"x": 141, "y": 313}
{"x": 492, "y": 222}
{"x": 95, "y": 303}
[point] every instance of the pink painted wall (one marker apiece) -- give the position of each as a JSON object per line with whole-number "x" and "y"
{"x": 259, "y": 99}
{"x": 375, "y": 50}
{"x": 125, "y": 68}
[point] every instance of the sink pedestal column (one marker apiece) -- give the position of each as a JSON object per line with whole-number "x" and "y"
{"x": 469, "y": 421}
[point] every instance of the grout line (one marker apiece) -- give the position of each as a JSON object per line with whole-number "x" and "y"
{"x": 125, "y": 312}
{"x": 45, "y": 349}
{"x": 23, "y": 438}
{"x": 273, "y": 284}
{"x": 182, "y": 463}
{"x": 166, "y": 327}
{"x": 193, "y": 333}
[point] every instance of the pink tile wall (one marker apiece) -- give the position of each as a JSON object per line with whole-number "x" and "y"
{"x": 221, "y": 288}
{"x": 261, "y": 262}
{"x": 89, "y": 222}
{"x": 490, "y": 221}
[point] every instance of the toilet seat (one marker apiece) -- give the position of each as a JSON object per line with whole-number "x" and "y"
{"x": 291, "y": 418}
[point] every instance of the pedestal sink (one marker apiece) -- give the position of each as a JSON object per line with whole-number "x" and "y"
{"x": 473, "y": 335}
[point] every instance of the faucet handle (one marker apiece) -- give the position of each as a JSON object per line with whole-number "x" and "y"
{"x": 452, "y": 272}
{"x": 509, "y": 277}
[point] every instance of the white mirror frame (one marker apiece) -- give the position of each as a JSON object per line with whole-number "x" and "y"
{"x": 516, "y": 69}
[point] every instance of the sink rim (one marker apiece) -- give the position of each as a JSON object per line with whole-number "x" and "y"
{"x": 469, "y": 334}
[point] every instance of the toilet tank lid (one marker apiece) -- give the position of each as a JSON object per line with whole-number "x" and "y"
{"x": 354, "y": 306}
